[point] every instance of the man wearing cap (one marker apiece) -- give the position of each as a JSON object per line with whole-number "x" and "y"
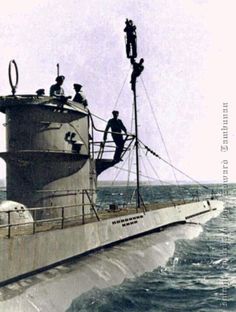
{"x": 79, "y": 96}
{"x": 56, "y": 89}
{"x": 116, "y": 126}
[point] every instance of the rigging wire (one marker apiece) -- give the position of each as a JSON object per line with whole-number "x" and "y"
{"x": 122, "y": 87}
{"x": 97, "y": 117}
{"x": 133, "y": 172}
{"x": 156, "y": 155}
{"x": 159, "y": 129}
{"x": 130, "y": 160}
{"x": 118, "y": 172}
{"x": 117, "y": 100}
{"x": 146, "y": 171}
{"x": 161, "y": 181}
{"x": 148, "y": 149}
{"x": 168, "y": 163}
{"x": 169, "y": 183}
{"x": 186, "y": 175}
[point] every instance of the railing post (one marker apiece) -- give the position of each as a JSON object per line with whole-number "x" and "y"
{"x": 92, "y": 143}
{"x": 34, "y": 221}
{"x": 9, "y": 223}
{"x": 197, "y": 195}
{"x": 92, "y": 205}
{"x": 62, "y": 217}
{"x": 83, "y": 219}
{"x": 212, "y": 195}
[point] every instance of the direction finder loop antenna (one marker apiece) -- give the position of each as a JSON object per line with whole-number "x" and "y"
{"x": 13, "y": 86}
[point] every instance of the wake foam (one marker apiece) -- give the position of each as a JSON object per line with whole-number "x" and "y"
{"x": 55, "y": 289}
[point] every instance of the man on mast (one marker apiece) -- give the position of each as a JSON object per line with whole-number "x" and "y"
{"x": 131, "y": 45}
{"x": 137, "y": 70}
{"x": 116, "y": 126}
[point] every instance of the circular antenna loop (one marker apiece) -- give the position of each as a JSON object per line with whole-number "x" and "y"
{"x": 13, "y": 86}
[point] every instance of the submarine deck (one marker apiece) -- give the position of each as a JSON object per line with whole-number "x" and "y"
{"x": 43, "y": 225}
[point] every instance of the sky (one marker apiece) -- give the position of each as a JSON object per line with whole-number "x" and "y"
{"x": 189, "y": 52}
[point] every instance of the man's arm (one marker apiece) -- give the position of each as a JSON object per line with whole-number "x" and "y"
{"x": 105, "y": 132}
{"x": 132, "y": 61}
{"x": 55, "y": 91}
{"x": 51, "y": 91}
{"x": 123, "y": 127}
{"x": 84, "y": 100}
{"x": 62, "y": 91}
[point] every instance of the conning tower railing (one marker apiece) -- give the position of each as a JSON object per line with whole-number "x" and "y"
{"x": 101, "y": 151}
{"x": 59, "y": 221}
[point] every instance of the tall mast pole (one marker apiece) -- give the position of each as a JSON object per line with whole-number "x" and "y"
{"x": 131, "y": 52}
{"x": 136, "y": 149}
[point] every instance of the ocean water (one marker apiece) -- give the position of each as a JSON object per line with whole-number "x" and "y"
{"x": 199, "y": 276}
{"x": 122, "y": 195}
{"x": 190, "y": 267}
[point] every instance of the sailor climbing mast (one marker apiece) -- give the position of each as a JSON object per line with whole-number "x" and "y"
{"x": 131, "y": 51}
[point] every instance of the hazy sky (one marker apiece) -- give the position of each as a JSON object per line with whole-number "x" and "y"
{"x": 189, "y": 52}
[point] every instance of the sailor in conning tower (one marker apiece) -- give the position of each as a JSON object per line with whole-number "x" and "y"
{"x": 56, "y": 89}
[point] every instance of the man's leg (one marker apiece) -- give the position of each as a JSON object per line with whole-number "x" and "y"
{"x": 118, "y": 139}
{"x": 134, "y": 48}
{"x": 128, "y": 49}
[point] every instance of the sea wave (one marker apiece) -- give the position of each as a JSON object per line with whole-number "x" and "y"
{"x": 180, "y": 269}
{"x": 200, "y": 276}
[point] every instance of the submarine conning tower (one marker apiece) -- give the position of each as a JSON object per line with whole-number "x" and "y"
{"x": 47, "y": 153}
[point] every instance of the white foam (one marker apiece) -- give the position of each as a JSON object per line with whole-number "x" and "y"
{"x": 106, "y": 268}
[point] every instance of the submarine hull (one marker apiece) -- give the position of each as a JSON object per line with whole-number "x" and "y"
{"x": 28, "y": 254}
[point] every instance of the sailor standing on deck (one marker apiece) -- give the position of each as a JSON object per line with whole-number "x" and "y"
{"x": 116, "y": 126}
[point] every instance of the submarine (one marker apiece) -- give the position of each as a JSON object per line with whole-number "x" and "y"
{"x": 53, "y": 162}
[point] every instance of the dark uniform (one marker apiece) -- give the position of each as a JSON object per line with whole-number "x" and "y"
{"x": 56, "y": 89}
{"x": 130, "y": 30}
{"x": 137, "y": 70}
{"x": 116, "y": 125}
{"x": 57, "y": 92}
{"x": 79, "y": 96}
